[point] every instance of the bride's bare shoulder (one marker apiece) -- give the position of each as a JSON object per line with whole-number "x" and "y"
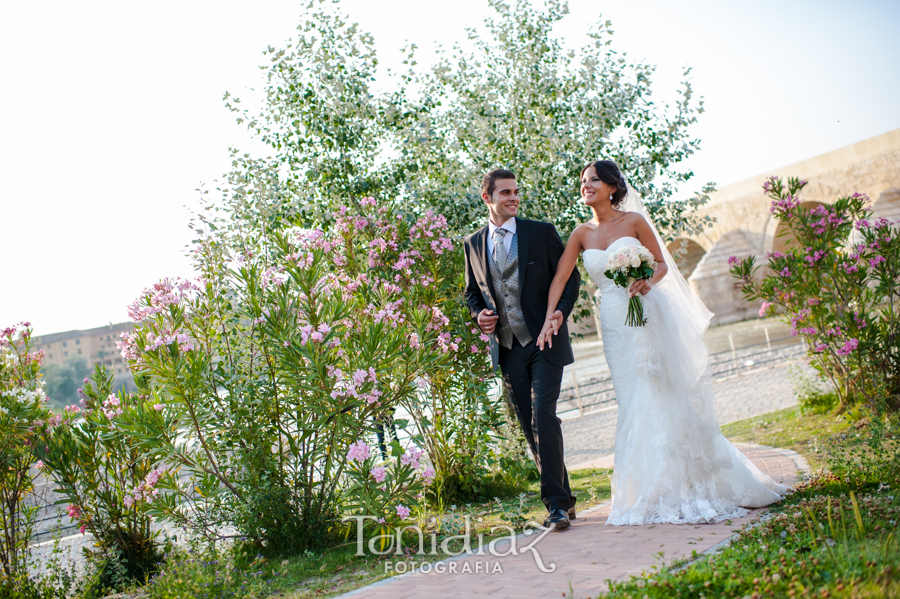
{"x": 581, "y": 230}
{"x": 634, "y": 218}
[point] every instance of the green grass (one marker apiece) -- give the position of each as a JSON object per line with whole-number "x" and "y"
{"x": 789, "y": 428}
{"x": 834, "y": 536}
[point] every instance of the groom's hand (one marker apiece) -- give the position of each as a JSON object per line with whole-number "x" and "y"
{"x": 487, "y": 320}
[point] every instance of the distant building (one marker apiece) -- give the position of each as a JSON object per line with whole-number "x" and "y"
{"x": 96, "y": 346}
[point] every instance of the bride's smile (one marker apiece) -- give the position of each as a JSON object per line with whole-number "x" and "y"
{"x": 593, "y": 189}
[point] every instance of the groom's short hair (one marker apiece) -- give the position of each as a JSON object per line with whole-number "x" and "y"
{"x": 489, "y": 181}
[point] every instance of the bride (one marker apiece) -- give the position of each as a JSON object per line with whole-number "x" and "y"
{"x": 672, "y": 463}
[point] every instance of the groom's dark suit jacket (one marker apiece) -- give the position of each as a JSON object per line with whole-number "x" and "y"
{"x": 539, "y": 251}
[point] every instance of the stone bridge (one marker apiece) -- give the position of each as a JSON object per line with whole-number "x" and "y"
{"x": 744, "y": 224}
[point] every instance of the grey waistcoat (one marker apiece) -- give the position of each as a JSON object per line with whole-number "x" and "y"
{"x": 508, "y": 298}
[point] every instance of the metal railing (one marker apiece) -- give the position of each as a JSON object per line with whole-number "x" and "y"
{"x": 595, "y": 394}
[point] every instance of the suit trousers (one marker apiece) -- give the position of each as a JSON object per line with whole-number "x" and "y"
{"x": 533, "y": 383}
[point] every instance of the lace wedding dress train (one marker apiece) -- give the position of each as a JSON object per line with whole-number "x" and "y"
{"x": 672, "y": 463}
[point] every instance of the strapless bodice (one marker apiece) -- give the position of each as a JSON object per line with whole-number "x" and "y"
{"x": 595, "y": 262}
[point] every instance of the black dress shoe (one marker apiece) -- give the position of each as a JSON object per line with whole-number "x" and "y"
{"x": 571, "y": 513}
{"x": 557, "y": 519}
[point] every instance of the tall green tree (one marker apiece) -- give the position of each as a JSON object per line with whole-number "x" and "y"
{"x": 517, "y": 98}
{"x": 62, "y": 381}
{"x": 514, "y": 97}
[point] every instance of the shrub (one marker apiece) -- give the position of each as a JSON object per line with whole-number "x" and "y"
{"x": 23, "y": 419}
{"x": 838, "y": 285}
{"x": 289, "y": 348}
{"x": 108, "y": 481}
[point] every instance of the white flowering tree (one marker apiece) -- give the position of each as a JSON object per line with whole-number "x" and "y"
{"x": 519, "y": 99}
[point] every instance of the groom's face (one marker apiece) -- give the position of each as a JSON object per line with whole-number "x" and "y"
{"x": 503, "y": 204}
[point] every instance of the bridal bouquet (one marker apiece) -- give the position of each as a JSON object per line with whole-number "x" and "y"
{"x": 625, "y": 267}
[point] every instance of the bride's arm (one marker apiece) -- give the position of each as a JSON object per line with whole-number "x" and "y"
{"x": 645, "y": 235}
{"x": 563, "y": 271}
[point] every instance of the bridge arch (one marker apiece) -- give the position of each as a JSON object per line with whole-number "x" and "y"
{"x": 887, "y": 205}
{"x": 778, "y": 236}
{"x": 687, "y": 254}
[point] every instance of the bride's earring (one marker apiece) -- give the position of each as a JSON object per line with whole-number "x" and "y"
{"x": 610, "y": 196}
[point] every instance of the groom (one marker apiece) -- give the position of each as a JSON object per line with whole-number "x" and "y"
{"x": 510, "y": 264}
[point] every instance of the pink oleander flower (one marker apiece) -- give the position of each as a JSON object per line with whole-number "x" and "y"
{"x": 764, "y": 309}
{"x": 849, "y": 346}
{"x": 73, "y": 511}
{"x": 379, "y": 473}
{"x": 403, "y": 511}
{"x": 40, "y": 464}
{"x": 158, "y": 407}
{"x": 359, "y": 451}
{"x": 732, "y": 260}
{"x": 428, "y": 474}
{"x": 820, "y": 347}
{"x": 146, "y": 490}
{"x": 73, "y": 409}
{"x": 411, "y": 458}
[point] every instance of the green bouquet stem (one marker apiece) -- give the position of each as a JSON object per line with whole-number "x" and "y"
{"x": 635, "y": 316}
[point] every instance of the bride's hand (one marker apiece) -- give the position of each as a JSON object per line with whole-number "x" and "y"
{"x": 641, "y": 286}
{"x": 551, "y": 327}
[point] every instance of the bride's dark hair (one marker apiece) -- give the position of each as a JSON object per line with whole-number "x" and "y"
{"x": 609, "y": 174}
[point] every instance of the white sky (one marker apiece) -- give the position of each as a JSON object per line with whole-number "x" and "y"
{"x": 111, "y": 113}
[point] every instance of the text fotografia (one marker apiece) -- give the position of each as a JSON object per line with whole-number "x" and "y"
{"x": 508, "y": 544}
{"x": 446, "y": 567}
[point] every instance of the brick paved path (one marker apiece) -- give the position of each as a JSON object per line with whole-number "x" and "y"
{"x": 585, "y": 556}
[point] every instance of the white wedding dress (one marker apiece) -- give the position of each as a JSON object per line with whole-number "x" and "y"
{"x": 672, "y": 463}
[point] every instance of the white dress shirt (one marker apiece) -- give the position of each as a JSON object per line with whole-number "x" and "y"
{"x": 510, "y": 226}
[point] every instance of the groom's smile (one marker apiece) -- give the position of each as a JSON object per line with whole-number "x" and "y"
{"x": 503, "y": 204}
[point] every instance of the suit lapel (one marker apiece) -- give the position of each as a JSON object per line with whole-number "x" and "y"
{"x": 481, "y": 264}
{"x": 522, "y": 234}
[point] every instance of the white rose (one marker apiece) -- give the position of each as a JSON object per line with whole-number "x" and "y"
{"x": 636, "y": 261}
{"x": 621, "y": 260}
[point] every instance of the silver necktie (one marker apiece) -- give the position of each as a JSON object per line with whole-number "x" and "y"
{"x": 499, "y": 247}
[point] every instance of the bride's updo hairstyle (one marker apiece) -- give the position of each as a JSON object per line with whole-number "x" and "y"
{"x": 609, "y": 174}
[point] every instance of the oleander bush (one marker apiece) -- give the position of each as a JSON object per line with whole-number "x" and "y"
{"x": 24, "y": 417}
{"x": 107, "y": 481}
{"x": 287, "y": 352}
{"x": 838, "y": 285}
